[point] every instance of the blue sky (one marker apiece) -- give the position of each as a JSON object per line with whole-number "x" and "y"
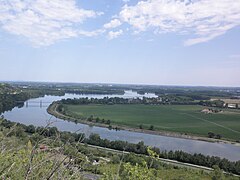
{"x": 166, "y": 42}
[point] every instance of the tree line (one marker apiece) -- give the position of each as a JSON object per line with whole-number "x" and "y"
{"x": 9, "y": 101}
{"x": 11, "y": 97}
{"x": 163, "y": 100}
{"x": 22, "y": 130}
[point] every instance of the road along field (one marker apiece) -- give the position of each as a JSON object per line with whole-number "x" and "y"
{"x": 173, "y": 118}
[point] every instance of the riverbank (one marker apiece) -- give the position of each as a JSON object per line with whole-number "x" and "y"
{"x": 52, "y": 109}
{"x": 163, "y": 160}
{"x": 106, "y": 156}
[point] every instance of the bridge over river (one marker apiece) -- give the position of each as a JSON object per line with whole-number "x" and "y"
{"x": 31, "y": 103}
{"x": 35, "y": 112}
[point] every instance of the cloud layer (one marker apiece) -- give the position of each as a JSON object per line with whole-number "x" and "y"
{"x": 205, "y": 19}
{"x": 44, "y": 22}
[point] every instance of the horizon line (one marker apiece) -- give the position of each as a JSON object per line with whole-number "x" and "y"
{"x": 114, "y": 83}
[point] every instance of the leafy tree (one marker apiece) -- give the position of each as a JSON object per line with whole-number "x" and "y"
{"x": 218, "y": 136}
{"x": 30, "y": 129}
{"x": 97, "y": 119}
{"x": 151, "y": 128}
{"x": 115, "y": 159}
{"x": 211, "y": 135}
{"x": 137, "y": 172}
{"x": 217, "y": 173}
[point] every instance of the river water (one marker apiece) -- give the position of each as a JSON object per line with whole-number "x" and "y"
{"x": 36, "y": 114}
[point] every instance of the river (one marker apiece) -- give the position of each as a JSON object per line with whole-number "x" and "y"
{"x": 36, "y": 114}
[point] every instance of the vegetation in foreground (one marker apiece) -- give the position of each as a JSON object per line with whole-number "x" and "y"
{"x": 39, "y": 135}
{"x": 44, "y": 153}
{"x": 28, "y": 152}
{"x": 185, "y": 119}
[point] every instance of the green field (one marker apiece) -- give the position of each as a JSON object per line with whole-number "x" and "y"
{"x": 175, "y": 118}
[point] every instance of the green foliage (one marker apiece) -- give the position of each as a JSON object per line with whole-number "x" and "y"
{"x": 215, "y": 103}
{"x": 137, "y": 172}
{"x": 173, "y": 118}
{"x": 14, "y": 164}
{"x": 11, "y": 96}
{"x": 51, "y": 134}
{"x": 217, "y": 173}
{"x": 64, "y": 158}
{"x": 151, "y": 128}
{"x": 152, "y": 153}
{"x": 115, "y": 159}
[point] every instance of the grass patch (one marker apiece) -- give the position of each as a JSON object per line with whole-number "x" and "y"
{"x": 175, "y": 118}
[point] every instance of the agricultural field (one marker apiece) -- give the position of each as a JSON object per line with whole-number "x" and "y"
{"x": 174, "y": 118}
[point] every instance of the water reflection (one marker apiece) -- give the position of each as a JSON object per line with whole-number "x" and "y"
{"x": 38, "y": 116}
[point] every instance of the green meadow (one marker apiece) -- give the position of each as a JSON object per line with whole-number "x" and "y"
{"x": 174, "y": 118}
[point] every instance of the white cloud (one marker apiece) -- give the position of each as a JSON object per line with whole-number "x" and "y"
{"x": 91, "y": 33}
{"x": 202, "y": 39}
{"x": 44, "y": 22}
{"x": 114, "y": 34}
{"x": 205, "y": 19}
{"x": 112, "y": 24}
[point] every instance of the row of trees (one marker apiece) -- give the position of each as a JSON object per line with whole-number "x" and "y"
{"x": 118, "y": 100}
{"x": 105, "y": 100}
{"x": 167, "y": 99}
{"x": 140, "y": 148}
{"x": 95, "y": 91}
{"x": 215, "y": 103}
{"x": 195, "y": 93}
{"x": 213, "y": 135}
